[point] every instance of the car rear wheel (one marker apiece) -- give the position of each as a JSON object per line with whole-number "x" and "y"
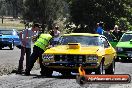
{"x": 99, "y": 70}
{"x": 111, "y": 68}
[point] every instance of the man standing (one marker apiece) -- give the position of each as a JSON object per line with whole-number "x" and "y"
{"x": 117, "y": 33}
{"x": 39, "y": 47}
{"x": 99, "y": 29}
{"x": 56, "y": 35}
{"x": 26, "y": 37}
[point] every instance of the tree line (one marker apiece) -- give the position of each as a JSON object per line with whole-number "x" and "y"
{"x": 84, "y": 14}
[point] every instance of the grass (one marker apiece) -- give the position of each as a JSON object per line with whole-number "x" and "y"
{"x": 11, "y": 23}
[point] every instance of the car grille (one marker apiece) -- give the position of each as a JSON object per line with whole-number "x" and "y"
{"x": 127, "y": 49}
{"x": 5, "y": 39}
{"x": 70, "y": 58}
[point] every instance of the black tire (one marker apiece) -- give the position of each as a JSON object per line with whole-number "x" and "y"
{"x": 99, "y": 70}
{"x": 88, "y": 71}
{"x": 46, "y": 72}
{"x": 81, "y": 80}
{"x": 66, "y": 73}
{"x": 11, "y": 46}
{"x": 111, "y": 68}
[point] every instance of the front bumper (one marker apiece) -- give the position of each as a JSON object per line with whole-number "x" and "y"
{"x": 70, "y": 65}
{"x": 5, "y": 43}
{"x": 127, "y": 54}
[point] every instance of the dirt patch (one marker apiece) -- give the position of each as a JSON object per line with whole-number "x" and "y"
{"x": 6, "y": 69}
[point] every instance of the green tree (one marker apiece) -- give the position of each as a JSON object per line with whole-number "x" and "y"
{"x": 43, "y": 11}
{"x": 88, "y": 12}
{"x": 14, "y": 7}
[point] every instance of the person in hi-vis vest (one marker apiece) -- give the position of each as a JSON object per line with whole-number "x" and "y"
{"x": 39, "y": 47}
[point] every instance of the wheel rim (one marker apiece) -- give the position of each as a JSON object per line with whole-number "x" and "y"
{"x": 113, "y": 66}
{"x": 12, "y": 46}
{"x": 101, "y": 68}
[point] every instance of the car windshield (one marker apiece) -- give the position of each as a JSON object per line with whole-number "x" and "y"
{"x": 83, "y": 40}
{"x": 6, "y": 32}
{"x": 126, "y": 37}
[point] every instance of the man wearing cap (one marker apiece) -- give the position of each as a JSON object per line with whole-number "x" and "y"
{"x": 26, "y": 37}
{"x": 39, "y": 47}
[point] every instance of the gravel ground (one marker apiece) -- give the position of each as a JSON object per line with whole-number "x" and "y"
{"x": 9, "y": 60}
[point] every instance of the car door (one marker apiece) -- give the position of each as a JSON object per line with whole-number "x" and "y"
{"x": 109, "y": 53}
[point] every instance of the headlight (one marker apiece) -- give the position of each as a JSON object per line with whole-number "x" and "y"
{"x": 119, "y": 49}
{"x": 48, "y": 57}
{"x": 80, "y": 58}
{"x": 94, "y": 58}
{"x": 129, "y": 55}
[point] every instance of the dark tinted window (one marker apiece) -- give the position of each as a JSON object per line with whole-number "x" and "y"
{"x": 126, "y": 37}
{"x": 6, "y": 32}
{"x": 108, "y": 36}
{"x": 83, "y": 40}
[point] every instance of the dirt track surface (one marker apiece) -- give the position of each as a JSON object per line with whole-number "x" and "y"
{"x": 9, "y": 61}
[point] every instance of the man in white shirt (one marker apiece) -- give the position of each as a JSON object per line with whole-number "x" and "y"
{"x": 26, "y": 37}
{"x": 56, "y": 35}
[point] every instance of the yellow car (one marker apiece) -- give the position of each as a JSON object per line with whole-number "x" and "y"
{"x": 92, "y": 51}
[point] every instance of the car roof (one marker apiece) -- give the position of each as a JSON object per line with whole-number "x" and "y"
{"x": 81, "y": 34}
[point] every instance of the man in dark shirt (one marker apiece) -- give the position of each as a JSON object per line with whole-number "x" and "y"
{"x": 117, "y": 33}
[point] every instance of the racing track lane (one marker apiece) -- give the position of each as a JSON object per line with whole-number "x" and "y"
{"x": 36, "y": 81}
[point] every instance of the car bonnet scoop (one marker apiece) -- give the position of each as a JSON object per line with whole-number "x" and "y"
{"x": 74, "y": 45}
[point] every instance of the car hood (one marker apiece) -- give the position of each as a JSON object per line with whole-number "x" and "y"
{"x": 64, "y": 49}
{"x": 124, "y": 44}
{"x": 6, "y": 36}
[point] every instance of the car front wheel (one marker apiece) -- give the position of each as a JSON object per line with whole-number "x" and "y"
{"x": 99, "y": 70}
{"x": 46, "y": 72}
{"x": 66, "y": 73}
{"x": 111, "y": 68}
{"x": 11, "y": 46}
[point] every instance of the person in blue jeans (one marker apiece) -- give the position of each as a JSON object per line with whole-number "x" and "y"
{"x": 99, "y": 29}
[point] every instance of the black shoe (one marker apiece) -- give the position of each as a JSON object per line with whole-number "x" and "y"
{"x": 27, "y": 73}
{"x": 19, "y": 72}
